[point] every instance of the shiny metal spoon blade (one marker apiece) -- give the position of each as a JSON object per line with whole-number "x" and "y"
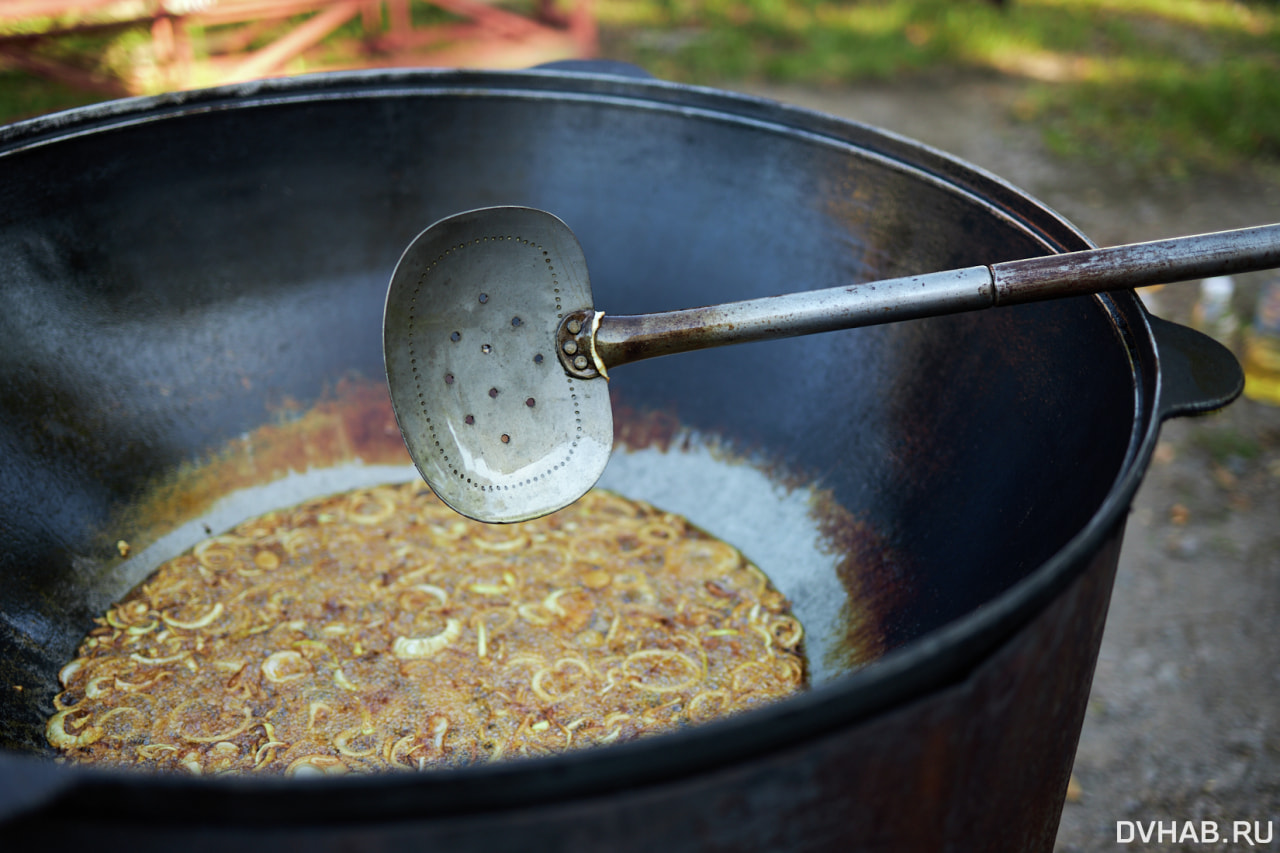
{"x": 492, "y": 421}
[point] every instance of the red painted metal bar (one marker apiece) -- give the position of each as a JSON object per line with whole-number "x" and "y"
{"x": 507, "y": 24}
{"x": 72, "y": 75}
{"x": 488, "y": 35}
{"x": 307, "y": 34}
{"x": 19, "y": 10}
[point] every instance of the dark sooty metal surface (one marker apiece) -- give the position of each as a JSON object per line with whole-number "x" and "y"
{"x": 166, "y": 284}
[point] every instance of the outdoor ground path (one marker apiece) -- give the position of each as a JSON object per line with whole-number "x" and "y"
{"x": 1184, "y": 717}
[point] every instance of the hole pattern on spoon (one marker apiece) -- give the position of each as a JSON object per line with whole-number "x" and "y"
{"x": 450, "y": 379}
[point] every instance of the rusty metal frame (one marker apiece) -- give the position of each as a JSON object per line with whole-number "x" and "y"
{"x": 221, "y": 41}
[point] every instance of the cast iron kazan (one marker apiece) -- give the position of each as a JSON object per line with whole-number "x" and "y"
{"x": 177, "y": 271}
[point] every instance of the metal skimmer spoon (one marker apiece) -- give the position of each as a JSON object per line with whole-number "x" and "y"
{"x": 497, "y": 359}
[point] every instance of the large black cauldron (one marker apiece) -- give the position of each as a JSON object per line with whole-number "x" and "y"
{"x": 176, "y": 272}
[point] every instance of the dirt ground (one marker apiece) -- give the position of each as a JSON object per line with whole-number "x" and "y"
{"x": 1184, "y": 717}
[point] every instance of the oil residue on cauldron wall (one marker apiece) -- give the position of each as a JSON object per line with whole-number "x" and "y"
{"x": 349, "y": 439}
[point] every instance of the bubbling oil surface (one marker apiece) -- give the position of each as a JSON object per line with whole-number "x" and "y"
{"x": 376, "y": 630}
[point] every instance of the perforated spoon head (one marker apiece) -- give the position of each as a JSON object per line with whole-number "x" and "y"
{"x": 508, "y": 418}
{"x": 492, "y": 421}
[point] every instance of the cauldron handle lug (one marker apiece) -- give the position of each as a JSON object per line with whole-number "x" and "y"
{"x": 1197, "y": 374}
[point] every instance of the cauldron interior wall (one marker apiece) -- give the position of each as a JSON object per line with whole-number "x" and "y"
{"x": 166, "y": 284}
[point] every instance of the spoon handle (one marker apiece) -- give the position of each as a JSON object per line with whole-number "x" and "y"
{"x": 1137, "y": 264}
{"x": 626, "y": 338}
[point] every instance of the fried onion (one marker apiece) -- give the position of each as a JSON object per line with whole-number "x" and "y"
{"x": 645, "y": 666}
{"x": 203, "y": 621}
{"x": 59, "y": 737}
{"x": 378, "y": 630}
{"x": 425, "y": 647}
{"x": 285, "y": 666}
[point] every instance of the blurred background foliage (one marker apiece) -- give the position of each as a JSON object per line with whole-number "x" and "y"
{"x": 1174, "y": 85}
{"x": 1169, "y": 85}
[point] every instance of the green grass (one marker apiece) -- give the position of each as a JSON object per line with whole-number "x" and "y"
{"x": 1174, "y": 85}
{"x": 23, "y": 96}
{"x": 1224, "y": 443}
{"x": 126, "y": 53}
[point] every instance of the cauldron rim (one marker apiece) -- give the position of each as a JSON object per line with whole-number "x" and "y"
{"x": 941, "y": 657}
